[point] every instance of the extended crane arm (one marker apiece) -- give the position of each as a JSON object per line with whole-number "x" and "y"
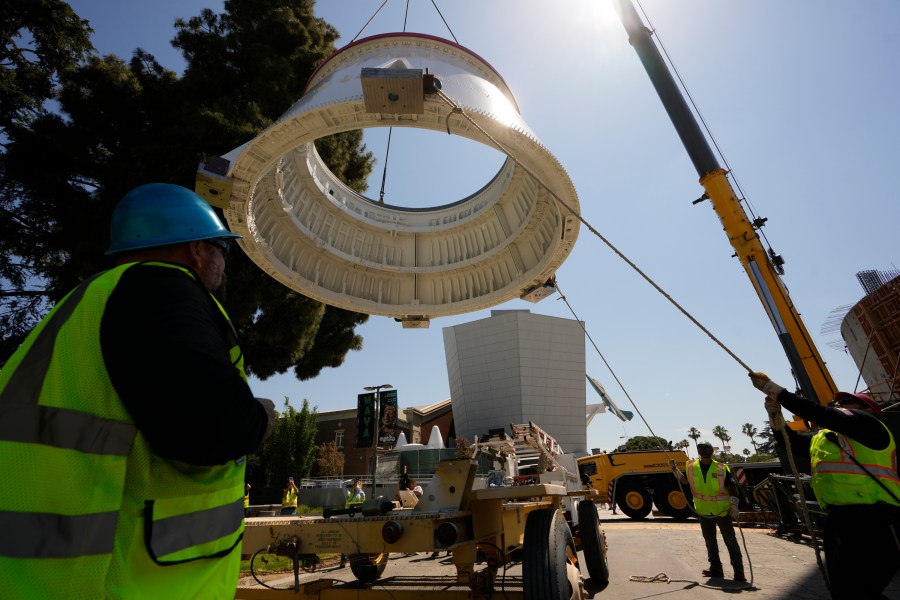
{"x": 809, "y": 368}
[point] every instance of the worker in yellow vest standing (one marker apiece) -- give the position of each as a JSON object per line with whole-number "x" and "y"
{"x": 125, "y": 417}
{"x": 246, "y": 499}
{"x": 853, "y": 460}
{"x": 289, "y": 498}
{"x": 715, "y": 499}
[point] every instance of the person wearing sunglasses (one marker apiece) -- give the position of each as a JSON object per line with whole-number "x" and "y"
{"x": 126, "y": 417}
{"x": 853, "y": 462}
{"x": 715, "y": 499}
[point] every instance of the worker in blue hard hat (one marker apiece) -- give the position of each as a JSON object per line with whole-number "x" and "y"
{"x": 126, "y": 419}
{"x": 853, "y": 462}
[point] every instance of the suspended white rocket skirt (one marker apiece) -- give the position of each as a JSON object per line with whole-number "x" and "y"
{"x": 317, "y": 236}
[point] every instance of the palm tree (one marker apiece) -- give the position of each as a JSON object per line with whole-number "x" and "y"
{"x": 722, "y": 433}
{"x": 683, "y": 445}
{"x": 750, "y": 431}
{"x": 694, "y": 434}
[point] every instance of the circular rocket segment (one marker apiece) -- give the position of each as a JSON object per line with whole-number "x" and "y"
{"x": 314, "y": 234}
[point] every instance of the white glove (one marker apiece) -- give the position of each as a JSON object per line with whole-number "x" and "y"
{"x": 772, "y": 405}
{"x": 762, "y": 382}
{"x": 733, "y": 510}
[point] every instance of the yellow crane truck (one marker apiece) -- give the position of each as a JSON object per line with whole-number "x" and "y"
{"x": 635, "y": 481}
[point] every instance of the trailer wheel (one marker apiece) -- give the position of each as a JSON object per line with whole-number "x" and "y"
{"x": 549, "y": 560}
{"x": 367, "y": 568}
{"x": 634, "y": 500}
{"x": 671, "y": 501}
{"x": 593, "y": 542}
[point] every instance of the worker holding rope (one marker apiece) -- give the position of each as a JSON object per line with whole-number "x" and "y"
{"x": 714, "y": 491}
{"x": 853, "y": 461}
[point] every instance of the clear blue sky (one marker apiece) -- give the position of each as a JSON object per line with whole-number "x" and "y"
{"x": 802, "y": 98}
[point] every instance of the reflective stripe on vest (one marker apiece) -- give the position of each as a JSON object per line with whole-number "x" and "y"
{"x": 32, "y": 535}
{"x": 837, "y": 480}
{"x": 710, "y": 495}
{"x": 197, "y": 534}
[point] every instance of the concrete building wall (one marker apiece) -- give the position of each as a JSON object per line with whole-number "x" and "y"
{"x": 515, "y": 367}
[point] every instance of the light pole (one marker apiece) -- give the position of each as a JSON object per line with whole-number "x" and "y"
{"x": 377, "y": 389}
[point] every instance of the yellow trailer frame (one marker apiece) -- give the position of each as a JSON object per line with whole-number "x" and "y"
{"x": 481, "y": 526}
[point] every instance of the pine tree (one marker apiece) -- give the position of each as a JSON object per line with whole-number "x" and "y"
{"x": 124, "y": 123}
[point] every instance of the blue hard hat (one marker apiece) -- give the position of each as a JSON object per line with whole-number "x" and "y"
{"x": 159, "y": 214}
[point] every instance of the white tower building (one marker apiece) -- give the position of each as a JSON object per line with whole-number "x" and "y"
{"x": 515, "y": 367}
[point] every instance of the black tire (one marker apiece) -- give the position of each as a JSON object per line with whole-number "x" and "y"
{"x": 593, "y": 542}
{"x": 547, "y": 546}
{"x": 634, "y": 500}
{"x": 367, "y": 568}
{"x": 671, "y": 501}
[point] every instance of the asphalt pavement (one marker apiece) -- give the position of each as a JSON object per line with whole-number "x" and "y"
{"x": 655, "y": 557}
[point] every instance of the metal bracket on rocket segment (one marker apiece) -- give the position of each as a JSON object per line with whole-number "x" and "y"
{"x": 393, "y": 91}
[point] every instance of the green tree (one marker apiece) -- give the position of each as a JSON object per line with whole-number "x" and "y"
{"x": 750, "y": 431}
{"x": 121, "y": 124}
{"x": 694, "y": 434}
{"x": 289, "y": 452}
{"x": 722, "y": 433}
{"x": 329, "y": 460}
{"x": 767, "y": 446}
{"x": 40, "y": 41}
{"x": 644, "y": 442}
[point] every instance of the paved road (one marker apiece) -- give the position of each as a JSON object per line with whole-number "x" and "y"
{"x": 781, "y": 567}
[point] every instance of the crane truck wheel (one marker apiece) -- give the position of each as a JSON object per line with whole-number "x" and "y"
{"x": 634, "y": 500}
{"x": 593, "y": 542}
{"x": 549, "y": 558}
{"x": 671, "y": 501}
{"x": 367, "y": 568}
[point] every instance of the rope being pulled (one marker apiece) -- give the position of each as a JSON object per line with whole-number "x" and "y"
{"x": 663, "y": 578}
{"x": 561, "y": 202}
{"x": 776, "y": 425}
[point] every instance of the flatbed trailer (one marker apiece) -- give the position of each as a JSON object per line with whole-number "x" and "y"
{"x": 543, "y": 524}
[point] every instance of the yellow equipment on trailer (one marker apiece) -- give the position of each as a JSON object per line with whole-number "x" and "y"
{"x": 543, "y": 522}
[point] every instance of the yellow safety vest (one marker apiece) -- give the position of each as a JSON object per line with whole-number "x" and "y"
{"x": 289, "y": 498}
{"x": 711, "y": 499}
{"x": 837, "y": 480}
{"x": 87, "y": 510}
{"x": 356, "y": 497}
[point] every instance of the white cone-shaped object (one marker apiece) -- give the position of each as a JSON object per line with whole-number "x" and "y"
{"x": 308, "y": 230}
{"x": 401, "y": 441}
{"x": 435, "y": 440}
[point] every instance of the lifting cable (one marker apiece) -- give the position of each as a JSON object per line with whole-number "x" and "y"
{"x": 387, "y": 151}
{"x": 777, "y": 421}
{"x": 661, "y": 577}
{"x": 741, "y": 196}
{"x": 457, "y": 109}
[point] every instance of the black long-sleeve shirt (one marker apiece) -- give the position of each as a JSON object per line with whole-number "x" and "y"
{"x": 858, "y": 425}
{"x": 166, "y": 348}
